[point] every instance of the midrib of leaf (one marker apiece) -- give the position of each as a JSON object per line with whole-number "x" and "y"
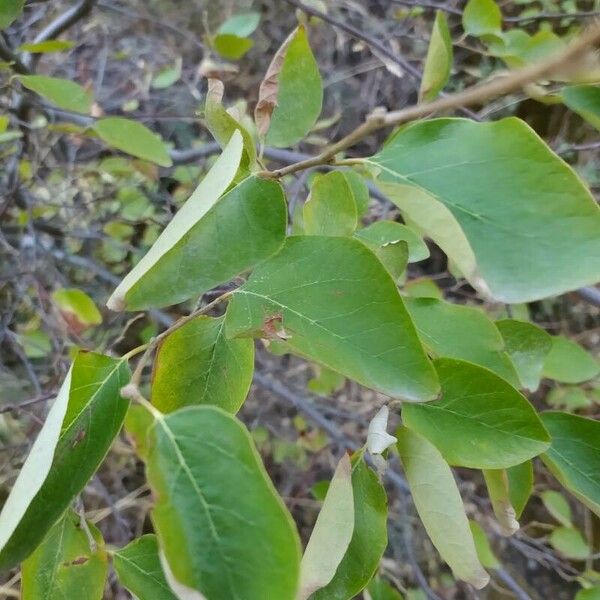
{"x": 146, "y": 573}
{"x": 215, "y": 534}
{"x": 320, "y": 326}
{"x": 213, "y": 352}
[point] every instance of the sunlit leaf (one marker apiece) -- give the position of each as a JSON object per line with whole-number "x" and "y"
{"x": 490, "y": 194}
{"x": 482, "y": 18}
{"x": 75, "y": 302}
{"x": 46, "y": 47}
{"x": 197, "y": 364}
{"x": 480, "y": 421}
{"x": 133, "y": 138}
{"x": 440, "y": 506}
{"x": 231, "y": 46}
{"x": 63, "y": 93}
{"x": 334, "y": 303}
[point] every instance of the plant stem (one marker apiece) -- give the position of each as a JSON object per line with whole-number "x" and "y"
{"x": 474, "y": 95}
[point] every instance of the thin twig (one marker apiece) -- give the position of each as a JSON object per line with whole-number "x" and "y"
{"x": 475, "y": 95}
{"x": 65, "y": 21}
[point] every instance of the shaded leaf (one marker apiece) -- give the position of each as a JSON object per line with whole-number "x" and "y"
{"x": 291, "y": 94}
{"x": 440, "y": 506}
{"x": 480, "y": 422}
{"x": 81, "y": 425}
{"x": 574, "y": 456}
{"x": 585, "y": 101}
{"x": 197, "y": 364}
{"x": 64, "y": 93}
{"x": 456, "y": 331}
{"x": 482, "y": 545}
{"x": 379, "y": 589}
{"x": 46, "y": 47}
{"x": 65, "y": 566}
{"x": 570, "y": 543}
{"x": 330, "y": 208}
{"x": 568, "y": 362}
{"x": 489, "y": 194}
{"x": 9, "y": 11}
{"x": 166, "y": 77}
{"x": 497, "y": 483}
{"x": 139, "y": 570}
{"x": 224, "y": 536}
{"x": 133, "y": 138}
{"x": 482, "y": 18}
{"x": 241, "y": 24}
{"x": 369, "y": 538}
{"x": 384, "y": 232}
{"x": 520, "y": 485}
{"x": 558, "y": 507}
{"x": 527, "y": 345}
{"x": 438, "y": 63}
{"x": 339, "y": 307}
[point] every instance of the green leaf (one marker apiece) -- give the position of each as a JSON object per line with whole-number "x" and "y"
{"x": 520, "y": 485}
{"x": 392, "y": 253}
{"x": 36, "y": 343}
{"x": 232, "y": 46}
{"x": 423, "y": 288}
{"x": 568, "y": 362}
{"x": 585, "y": 101}
{"x": 440, "y": 507}
{"x": 497, "y": 483}
{"x": 360, "y": 191}
{"x": 558, "y": 507}
{"x": 369, "y": 538}
{"x": 482, "y": 18}
{"x": 81, "y": 425}
{"x": 133, "y": 138}
{"x": 64, "y": 93}
{"x": 438, "y": 63}
{"x": 456, "y": 331}
{"x": 196, "y": 251}
{"x": 489, "y": 194}
{"x": 337, "y": 306}
{"x": 574, "y": 456}
{"x": 326, "y": 382}
{"x": 242, "y": 24}
{"x": 379, "y": 589}
{"x": 330, "y": 208}
{"x": 588, "y": 594}
{"x": 571, "y": 398}
{"x": 331, "y": 534}
{"x": 46, "y": 47}
{"x": 570, "y": 543}
{"x": 166, "y": 77}
{"x": 65, "y": 566}
{"x": 197, "y": 364}
{"x": 71, "y": 301}
{"x": 222, "y": 527}
{"x": 139, "y": 570}
{"x": 527, "y": 345}
{"x": 482, "y": 545}
{"x": 9, "y": 11}
{"x": 222, "y": 126}
{"x": 291, "y": 94}
{"x": 480, "y": 422}
{"x": 385, "y": 232}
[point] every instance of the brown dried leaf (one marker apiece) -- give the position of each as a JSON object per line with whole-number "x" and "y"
{"x": 269, "y": 89}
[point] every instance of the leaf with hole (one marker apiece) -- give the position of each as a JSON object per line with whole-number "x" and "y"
{"x": 67, "y": 564}
{"x": 335, "y": 304}
{"x": 480, "y": 421}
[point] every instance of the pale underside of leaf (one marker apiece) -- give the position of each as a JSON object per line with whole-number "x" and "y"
{"x": 183, "y": 592}
{"x": 208, "y": 192}
{"x": 331, "y": 534}
{"x": 496, "y": 481}
{"x": 36, "y": 466}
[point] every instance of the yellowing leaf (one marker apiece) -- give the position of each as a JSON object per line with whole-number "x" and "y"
{"x": 331, "y": 534}
{"x": 77, "y": 303}
{"x": 438, "y": 63}
{"x": 133, "y": 138}
{"x": 440, "y": 506}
